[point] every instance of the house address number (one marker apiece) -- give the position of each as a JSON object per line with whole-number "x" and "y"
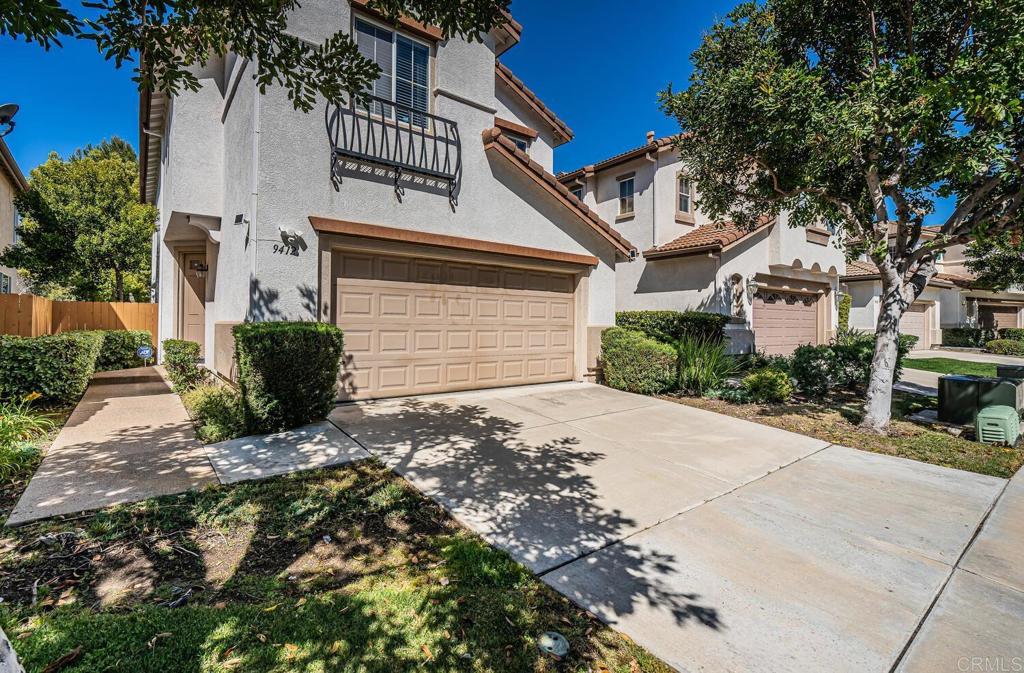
{"x": 285, "y": 249}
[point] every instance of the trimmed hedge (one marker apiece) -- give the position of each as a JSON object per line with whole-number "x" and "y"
{"x": 636, "y": 363}
{"x": 181, "y": 360}
{"x": 287, "y": 372}
{"x": 56, "y": 366}
{"x": 1006, "y": 347}
{"x": 845, "y": 304}
{"x": 118, "y": 349}
{"x": 967, "y": 337}
{"x": 670, "y": 326}
{"x": 1012, "y": 333}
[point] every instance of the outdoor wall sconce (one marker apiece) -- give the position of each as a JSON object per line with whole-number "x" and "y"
{"x": 199, "y": 268}
{"x": 752, "y": 287}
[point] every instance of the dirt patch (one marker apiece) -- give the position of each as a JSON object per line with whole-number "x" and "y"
{"x": 835, "y": 421}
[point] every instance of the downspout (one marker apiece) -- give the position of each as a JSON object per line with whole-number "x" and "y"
{"x": 652, "y": 156}
{"x": 254, "y": 237}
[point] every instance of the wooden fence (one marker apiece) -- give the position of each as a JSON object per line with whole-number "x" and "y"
{"x": 28, "y": 315}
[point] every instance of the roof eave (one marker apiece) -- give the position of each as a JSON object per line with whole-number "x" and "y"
{"x": 11, "y": 166}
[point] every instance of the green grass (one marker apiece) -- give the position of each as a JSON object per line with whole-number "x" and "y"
{"x": 348, "y": 569}
{"x": 951, "y": 366}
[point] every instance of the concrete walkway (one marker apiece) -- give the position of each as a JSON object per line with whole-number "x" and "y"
{"x": 128, "y": 439}
{"x": 717, "y": 543}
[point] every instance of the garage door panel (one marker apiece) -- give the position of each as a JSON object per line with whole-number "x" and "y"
{"x": 784, "y": 320}
{"x": 409, "y": 337}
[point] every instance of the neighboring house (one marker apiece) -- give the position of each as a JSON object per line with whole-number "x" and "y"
{"x": 12, "y": 181}
{"x": 950, "y": 300}
{"x": 425, "y": 221}
{"x": 778, "y": 283}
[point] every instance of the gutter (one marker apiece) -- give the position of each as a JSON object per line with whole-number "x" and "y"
{"x": 145, "y": 102}
{"x": 12, "y": 166}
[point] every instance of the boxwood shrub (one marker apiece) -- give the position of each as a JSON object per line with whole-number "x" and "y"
{"x": 287, "y": 372}
{"x": 181, "y": 360}
{"x": 636, "y": 363}
{"x": 967, "y": 337}
{"x": 1006, "y": 347}
{"x": 57, "y": 366}
{"x": 1012, "y": 333}
{"x": 768, "y": 385}
{"x": 670, "y": 326}
{"x": 118, "y": 349}
{"x": 843, "y": 363}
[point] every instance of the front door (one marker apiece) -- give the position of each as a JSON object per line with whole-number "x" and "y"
{"x": 193, "y": 299}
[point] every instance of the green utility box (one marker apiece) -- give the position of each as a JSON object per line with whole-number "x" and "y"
{"x": 998, "y": 424}
{"x": 1010, "y": 371}
{"x": 960, "y": 397}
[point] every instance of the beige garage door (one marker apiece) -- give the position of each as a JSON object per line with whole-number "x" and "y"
{"x": 915, "y": 322}
{"x": 997, "y": 317}
{"x": 784, "y": 320}
{"x": 415, "y": 326}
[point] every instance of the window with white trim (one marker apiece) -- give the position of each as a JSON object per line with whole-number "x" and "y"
{"x": 626, "y": 186}
{"x": 5, "y": 283}
{"x": 404, "y": 65}
{"x": 577, "y": 192}
{"x": 685, "y": 204}
{"x": 17, "y": 225}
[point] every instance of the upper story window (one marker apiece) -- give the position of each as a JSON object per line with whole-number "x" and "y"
{"x": 17, "y": 225}
{"x": 626, "y": 186}
{"x": 577, "y": 192}
{"x": 685, "y": 203}
{"x": 521, "y": 142}
{"x": 405, "y": 69}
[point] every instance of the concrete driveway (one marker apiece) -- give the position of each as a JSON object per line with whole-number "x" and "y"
{"x": 717, "y": 543}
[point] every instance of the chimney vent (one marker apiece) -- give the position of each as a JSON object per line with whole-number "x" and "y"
{"x": 650, "y": 137}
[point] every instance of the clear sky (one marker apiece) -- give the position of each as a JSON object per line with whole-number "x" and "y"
{"x": 598, "y": 64}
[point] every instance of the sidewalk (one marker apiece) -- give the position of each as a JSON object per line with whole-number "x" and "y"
{"x": 128, "y": 439}
{"x": 975, "y": 624}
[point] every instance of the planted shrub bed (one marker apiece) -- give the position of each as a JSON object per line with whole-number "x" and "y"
{"x": 1006, "y": 347}
{"x": 670, "y": 326}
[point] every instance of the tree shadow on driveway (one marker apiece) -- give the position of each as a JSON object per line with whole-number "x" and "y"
{"x": 536, "y": 489}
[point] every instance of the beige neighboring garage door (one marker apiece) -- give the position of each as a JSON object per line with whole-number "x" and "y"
{"x": 915, "y": 322}
{"x": 784, "y": 320}
{"x": 415, "y": 326}
{"x": 994, "y": 316}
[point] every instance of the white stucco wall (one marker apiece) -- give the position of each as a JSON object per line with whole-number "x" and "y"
{"x": 510, "y": 107}
{"x": 7, "y": 191}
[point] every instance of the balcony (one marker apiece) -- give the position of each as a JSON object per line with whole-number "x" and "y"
{"x": 376, "y": 131}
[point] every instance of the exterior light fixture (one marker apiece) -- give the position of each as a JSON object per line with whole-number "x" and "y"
{"x": 7, "y": 112}
{"x": 752, "y": 286}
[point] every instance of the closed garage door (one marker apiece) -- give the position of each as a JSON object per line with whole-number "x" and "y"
{"x": 784, "y": 320}
{"x": 915, "y": 322}
{"x": 997, "y": 317}
{"x": 415, "y": 326}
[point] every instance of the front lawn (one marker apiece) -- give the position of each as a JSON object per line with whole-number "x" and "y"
{"x": 951, "y": 366}
{"x": 348, "y": 569}
{"x": 836, "y": 421}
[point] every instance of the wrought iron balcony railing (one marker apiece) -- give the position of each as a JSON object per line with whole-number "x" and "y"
{"x": 378, "y": 131}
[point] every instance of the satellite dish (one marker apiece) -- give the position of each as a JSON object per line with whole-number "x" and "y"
{"x": 7, "y": 112}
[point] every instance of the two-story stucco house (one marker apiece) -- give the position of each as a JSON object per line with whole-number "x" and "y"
{"x": 951, "y": 300}
{"x": 778, "y": 283}
{"x": 12, "y": 181}
{"x": 425, "y": 220}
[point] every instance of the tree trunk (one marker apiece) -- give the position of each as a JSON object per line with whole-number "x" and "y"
{"x": 878, "y": 405}
{"x": 118, "y": 285}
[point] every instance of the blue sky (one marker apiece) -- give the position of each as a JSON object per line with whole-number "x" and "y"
{"x": 598, "y": 64}
{"x": 580, "y": 57}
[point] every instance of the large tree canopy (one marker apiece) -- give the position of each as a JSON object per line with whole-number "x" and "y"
{"x": 163, "y": 38}
{"x": 83, "y": 233}
{"x": 861, "y": 114}
{"x": 997, "y": 261}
